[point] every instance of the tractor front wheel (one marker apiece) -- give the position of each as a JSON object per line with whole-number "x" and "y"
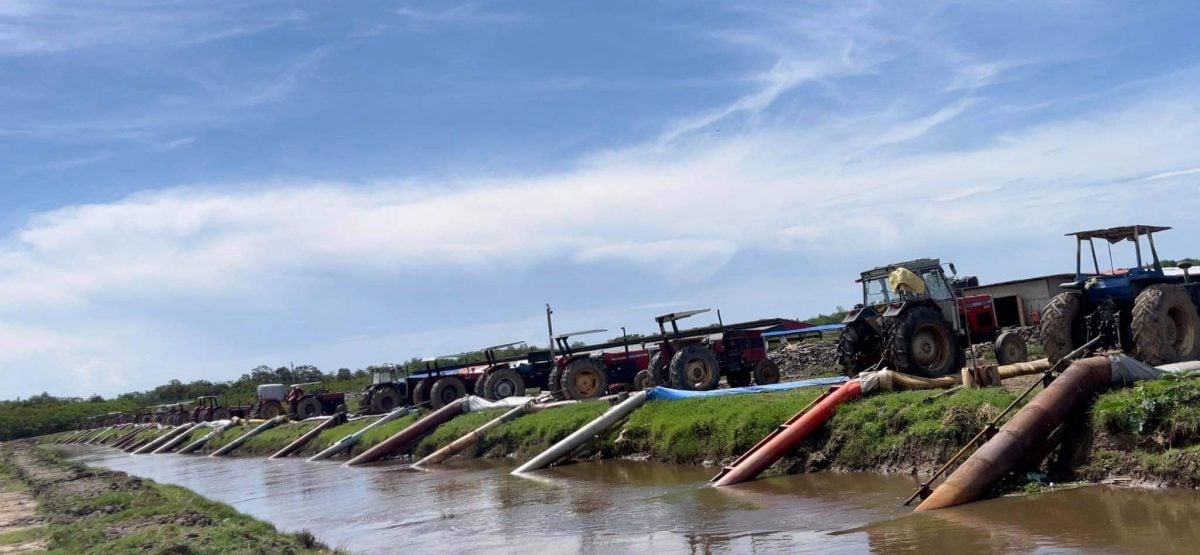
{"x": 766, "y": 372}
{"x": 1062, "y": 325}
{"x": 1166, "y": 327}
{"x": 504, "y": 383}
{"x": 584, "y": 378}
{"x": 1011, "y": 348}
{"x": 642, "y": 380}
{"x": 446, "y": 391}
{"x": 480, "y": 389}
{"x": 923, "y": 344}
{"x": 695, "y": 368}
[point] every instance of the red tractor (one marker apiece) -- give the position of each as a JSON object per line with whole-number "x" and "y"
{"x": 696, "y": 359}
{"x": 911, "y": 319}
{"x": 207, "y": 409}
{"x": 586, "y": 372}
{"x": 275, "y": 400}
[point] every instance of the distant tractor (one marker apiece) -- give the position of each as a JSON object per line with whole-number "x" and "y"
{"x": 911, "y": 319}
{"x": 387, "y": 391}
{"x": 208, "y": 409}
{"x": 275, "y": 400}
{"x": 1142, "y": 310}
{"x": 696, "y": 359}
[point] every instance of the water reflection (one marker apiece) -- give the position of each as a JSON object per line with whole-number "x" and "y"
{"x": 639, "y": 507}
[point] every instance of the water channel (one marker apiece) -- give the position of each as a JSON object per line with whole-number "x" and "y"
{"x": 639, "y": 507}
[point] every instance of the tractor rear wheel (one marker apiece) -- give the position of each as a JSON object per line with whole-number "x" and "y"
{"x": 738, "y": 379}
{"x": 766, "y": 372}
{"x": 923, "y": 344}
{"x": 446, "y": 391}
{"x": 308, "y": 407}
{"x": 503, "y": 383}
{"x": 1166, "y": 327}
{"x": 384, "y": 400}
{"x": 271, "y": 409}
{"x": 695, "y": 368}
{"x": 660, "y": 374}
{"x": 421, "y": 391}
{"x": 1011, "y": 348}
{"x": 858, "y": 347}
{"x": 1062, "y": 325}
{"x": 642, "y": 380}
{"x": 584, "y": 378}
{"x": 480, "y": 389}
{"x": 220, "y": 413}
{"x": 554, "y": 382}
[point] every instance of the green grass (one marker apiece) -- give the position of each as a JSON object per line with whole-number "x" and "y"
{"x": 1160, "y": 413}
{"x": 22, "y": 536}
{"x": 109, "y": 512}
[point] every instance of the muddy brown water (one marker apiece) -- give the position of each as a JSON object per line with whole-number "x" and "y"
{"x": 641, "y": 507}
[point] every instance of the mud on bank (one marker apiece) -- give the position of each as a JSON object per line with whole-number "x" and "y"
{"x": 89, "y": 510}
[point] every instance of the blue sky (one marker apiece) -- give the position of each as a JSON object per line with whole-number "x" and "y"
{"x": 191, "y": 189}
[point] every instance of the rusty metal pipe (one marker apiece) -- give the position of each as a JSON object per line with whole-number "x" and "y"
{"x": 406, "y": 437}
{"x": 772, "y": 448}
{"x": 473, "y": 437}
{"x": 312, "y": 434}
{"x": 1021, "y": 435}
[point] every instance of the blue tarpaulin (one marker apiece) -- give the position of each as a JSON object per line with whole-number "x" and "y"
{"x": 804, "y": 331}
{"x": 657, "y": 393}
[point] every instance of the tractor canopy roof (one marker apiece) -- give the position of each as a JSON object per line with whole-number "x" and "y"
{"x": 1118, "y": 234}
{"x": 502, "y": 346}
{"x": 574, "y": 333}
{"x": 679, "y": 315}
{"x": 913, "y": 265}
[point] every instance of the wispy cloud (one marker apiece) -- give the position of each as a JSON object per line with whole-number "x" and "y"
{"x": 469, "y": 12}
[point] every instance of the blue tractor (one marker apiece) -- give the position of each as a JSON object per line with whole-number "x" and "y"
{"x": 1143, "y": 310}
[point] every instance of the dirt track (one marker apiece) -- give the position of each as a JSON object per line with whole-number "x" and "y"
{"x": 18, "y": 516}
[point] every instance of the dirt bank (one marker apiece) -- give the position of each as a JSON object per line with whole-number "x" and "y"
{"x": 89, "y": 510}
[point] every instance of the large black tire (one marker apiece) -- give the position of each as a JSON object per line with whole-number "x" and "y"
{"x": 554, "y": 382}
{"x": 384, "y": 400}
{"x": 923, "y": 344}
{"x": 503, "y": 383}
{"x": 1010, "y": 348}
{"x": 695, "y": 368}
{"x": 480, "y": 389}
{"x": 1166, "y": 326}
{"x": 766, "y": 372}
{"x": 445, "y": 391}
{"x": 584, "y": 378}
{"x": 738, "y": 379}
{"x": 421, "y": 391}
{"x": 642, "y": 380}
{"x": 1062, "y": 325}
{"x": 308, "y": 407}
{"x": 221, "y": 413}
{"x": 660, "y": 373}
{"x": 859, "y": 347}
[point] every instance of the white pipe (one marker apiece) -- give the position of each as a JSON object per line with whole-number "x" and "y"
{"x": 584, "y": 434}
{"x": 350, "y": 440}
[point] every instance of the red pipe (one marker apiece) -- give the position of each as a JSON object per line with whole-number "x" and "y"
{"x": 788, "y": 436}
{"x": 408, "y": 436}
{"x": 1023, "y": 435}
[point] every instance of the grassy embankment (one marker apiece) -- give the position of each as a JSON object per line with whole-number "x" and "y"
{"x": 89, "y": 510}
{"x": 1149, "y": 432}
